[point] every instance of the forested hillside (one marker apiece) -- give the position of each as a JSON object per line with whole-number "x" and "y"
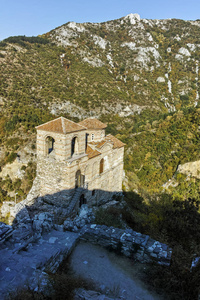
{"x": 140, "y": 76}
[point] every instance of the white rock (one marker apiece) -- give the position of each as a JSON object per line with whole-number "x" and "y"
{"x": 79, "y": 28}
{"x": 184, "y": 51}
{"x": 131, "y": 45}
{"x": 149, "y": 36}
{"x": 169, "y": 86}
{"x": 109, "y": 58}
{"x": 177, "y": 38}
{"x": 191, "y": 46}
{"x": 160, "y": 79}
{"x": 52, "y": 240}
{"x": 100, "y": 42}
{"x": 149, "y": 22}
{"x": 190, "y": 168}
{"x": 136, "y": 77}
{"x": 95, "y": 62}
{"x": 144, "y": 55}
{"x": 133, "y": 18}
{"x": 179, "y": 57}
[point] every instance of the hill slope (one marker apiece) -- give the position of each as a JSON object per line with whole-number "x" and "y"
{"x": 128, "y": 72}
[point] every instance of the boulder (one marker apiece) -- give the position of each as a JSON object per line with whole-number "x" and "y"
{"x": 43, "y": 222}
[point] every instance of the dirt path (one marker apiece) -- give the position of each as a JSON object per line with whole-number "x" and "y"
{"x": 110, "y": 272}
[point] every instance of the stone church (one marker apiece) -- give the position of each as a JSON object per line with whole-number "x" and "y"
{"x": 78, "y": 156}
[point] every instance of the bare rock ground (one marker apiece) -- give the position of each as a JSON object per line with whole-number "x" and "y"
{"x": 113, "y": 275}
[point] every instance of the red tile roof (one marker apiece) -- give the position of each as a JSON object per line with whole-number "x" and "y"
{"x": 109, "y": 138}
{"x": 116, "y": 143}
{"x": 91, "y": 153}
{"x": 61, "y": 125}
{"x": 100, "y": 144}
{"x": 92, "y": 123}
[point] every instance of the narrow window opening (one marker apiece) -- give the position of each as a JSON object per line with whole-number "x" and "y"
{"x": 49, "y": 145}
{"x": 74, "y": 146}
{"x": 101, "y": 167}
{"x": 86, "y": 140}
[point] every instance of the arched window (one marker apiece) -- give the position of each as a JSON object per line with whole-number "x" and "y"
{"x": 74, "y": 146}
{"x": 49, "y": 145}
{"x": 79, "y": 179}
{"x": 101, "y": 166}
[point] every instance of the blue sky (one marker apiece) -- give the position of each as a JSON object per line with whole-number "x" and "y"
{"x": 34, "y": 17}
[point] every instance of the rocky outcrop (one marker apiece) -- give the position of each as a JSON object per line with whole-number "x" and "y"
{"x": 190, "y": 168}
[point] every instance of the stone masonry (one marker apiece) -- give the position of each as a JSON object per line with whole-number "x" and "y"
{"x": 71, "y": 155}
{"x": 129, "y": 243}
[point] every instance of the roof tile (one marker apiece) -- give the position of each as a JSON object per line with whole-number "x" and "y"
{"x": 61, "y": 125}
{"x": 116, "y": 143}
{"x": 91, "y": 153}
{"x": 92, "y": 123}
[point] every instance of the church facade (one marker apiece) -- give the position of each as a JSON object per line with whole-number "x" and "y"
{"x": 78, "y": 155}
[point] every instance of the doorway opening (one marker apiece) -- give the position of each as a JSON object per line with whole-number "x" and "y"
{"x": 79, "y": 179}
{"x": 82, "y": 200}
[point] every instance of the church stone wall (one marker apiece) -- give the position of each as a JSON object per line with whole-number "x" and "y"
{"x": 59, "y": 145}
{"x": 98, "y": 135}
{"x": 62, "y": 145}
{"x": 56, "y": 171}
{"x": 53, "y": 178}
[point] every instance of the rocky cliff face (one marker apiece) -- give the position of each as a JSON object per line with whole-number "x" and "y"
{"x": 153, "y": 61}
{"x": 121, "y": 66}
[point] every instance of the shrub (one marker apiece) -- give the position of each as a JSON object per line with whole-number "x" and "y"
{"x": 11, "y": 157}
{"x": 109, "y": 217}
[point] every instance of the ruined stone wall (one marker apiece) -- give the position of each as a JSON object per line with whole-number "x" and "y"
{"x": 128, "y": 242}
